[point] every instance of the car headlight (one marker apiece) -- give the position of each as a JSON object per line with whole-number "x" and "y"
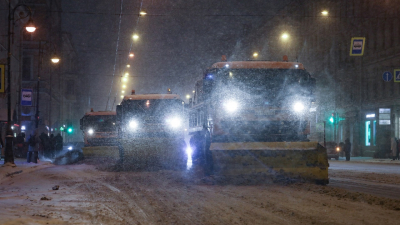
{"x": 174, "y": 122}
{"x": 133, "y": 124}
{"x": 231, "y": 106}
{"x": 90, "y": 131}
{"x": 298, "y": 107}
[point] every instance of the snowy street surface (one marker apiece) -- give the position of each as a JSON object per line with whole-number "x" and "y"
{"x": 88, "y": 195}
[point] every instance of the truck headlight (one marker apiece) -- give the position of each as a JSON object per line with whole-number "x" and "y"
{"x": 174, "y": 122}
{"x": 298, "y": 107}
{"x": 231, "y": 106}
{"x": 133, "y": 124}
{"x": 90, "y": 131}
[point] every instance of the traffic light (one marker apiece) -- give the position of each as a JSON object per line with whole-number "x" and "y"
{"x": 332, "y": 119}
{"x": 61, "y": 129}
{"x": 70, "y": 130}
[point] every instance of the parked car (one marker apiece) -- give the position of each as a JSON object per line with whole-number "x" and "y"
{"x": 333, "y": 149}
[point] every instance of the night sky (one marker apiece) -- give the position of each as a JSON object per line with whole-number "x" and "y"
{"x": 178, "y": 40}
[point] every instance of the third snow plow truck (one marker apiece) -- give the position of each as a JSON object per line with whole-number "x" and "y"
{"x": 251, "y": 118}
{"x": 151, "y": 131}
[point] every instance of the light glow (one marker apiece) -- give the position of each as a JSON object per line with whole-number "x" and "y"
{"x": 128, "y": 65}
{"x": 231, "y": 106}
{"x": 324, "y": 13}
{"x": 285, "y": 36}
{"x": 174, "y": 122}
{"x": 23, "y": 127}
{"x": 135, "y": 37}
{"x": 124, "y": 79}
{"x": 55, "y": 60}
{"x": 131, "y": 55}
{"x": 298, "y": 107}
{"x": 255, "y": 54}
{"x": 70, "y": 148}
{"x": 133, "y": 124}
{"x": 142, "y": 13}
{"x": 90, "y": 131}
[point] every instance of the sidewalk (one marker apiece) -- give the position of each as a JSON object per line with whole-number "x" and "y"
{"x": 21, "y": 167}
{"x": 370, "y": 160}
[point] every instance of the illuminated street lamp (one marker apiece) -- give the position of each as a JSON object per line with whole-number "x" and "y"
{"x": 135, "y": 37}
{"x": 324, "y": 13}
{"x": 124, "y": 86}
{"x": 122, "y": 91}
{"x": 124, "y": 79}
{"x": 55, "y": 59}
{"x": 30, "y": 27}
{"x": 142, "y": 12}
{"x": 187, "y": 96}
{"x": 8, "y": 154}
{"x": 126, "y": 74}
{"x": 255, "y": 54}
{"x": 285, "y": 36}
{"x": 131, "y": 55}
{"x": 128, "y": 65}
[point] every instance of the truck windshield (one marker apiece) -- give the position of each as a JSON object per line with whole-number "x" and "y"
{"x": 266, "y": 83}
{"x": 153, "y": 107}
{"x": 100, "y": 123}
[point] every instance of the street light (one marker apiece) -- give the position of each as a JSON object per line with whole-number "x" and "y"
{"x": 128, "y": 65}
{"x": 142, "y": 12}
{"x": 131, "y": 55}
{"x": 135, "y": 37}
{"x": 285, "y": 36}
{"x": 8, "y": 154}
{"x": 324, "y": 13}
{"x": 255, "y": 54}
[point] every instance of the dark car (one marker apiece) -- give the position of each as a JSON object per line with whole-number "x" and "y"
{"x": 333, "y": 150}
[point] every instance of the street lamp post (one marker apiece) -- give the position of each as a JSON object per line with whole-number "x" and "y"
{"x": 8, "y": 154}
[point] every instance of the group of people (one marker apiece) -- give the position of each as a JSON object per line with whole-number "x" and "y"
{"x": 48, "y": 146}
{"x": 395, "y": 148}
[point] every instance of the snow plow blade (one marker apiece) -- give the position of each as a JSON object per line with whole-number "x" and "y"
{"x": 101, "y": 151}
{"x": 295, "y": 160}
{"x": 154, "y": 153}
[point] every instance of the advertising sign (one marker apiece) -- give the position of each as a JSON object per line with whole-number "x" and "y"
{"x": 2, "y": 80}
{"x": 26, "y": 97}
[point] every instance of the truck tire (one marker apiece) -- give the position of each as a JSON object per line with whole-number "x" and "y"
{"x": 207, "y": 156}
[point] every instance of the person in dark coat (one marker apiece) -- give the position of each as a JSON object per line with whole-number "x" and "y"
{"x": 347, "y": 149}
{"x": 52, "y": 147}
{"x": 59, "y": 142}
{"x": 34, "y": 146}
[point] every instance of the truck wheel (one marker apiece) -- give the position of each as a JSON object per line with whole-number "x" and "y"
{"x": 207, "y": 156}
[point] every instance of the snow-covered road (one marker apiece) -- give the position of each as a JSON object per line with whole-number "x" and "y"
{"x": 90, "y": 196}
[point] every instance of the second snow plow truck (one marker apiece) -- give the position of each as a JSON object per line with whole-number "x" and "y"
{"x": 251, "y": 118}
{"x": 151, "y": 131}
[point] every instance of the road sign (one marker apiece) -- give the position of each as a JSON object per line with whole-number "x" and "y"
{"x": 397, "y": 75}
{"x": 357, "y": 46}
{"x": 26, "y": 97}
{"x": 2, "y": 80}
{"x": 387, "y": 76}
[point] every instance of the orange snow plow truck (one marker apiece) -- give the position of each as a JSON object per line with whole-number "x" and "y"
{"x": 252, "y": 118}
{"x": 99, "y": 134}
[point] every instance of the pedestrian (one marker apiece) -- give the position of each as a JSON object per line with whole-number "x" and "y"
{"x": 52, "y": 146}
{"x": 347, "y": 149}
{"x": 393, "y": 148}
{"x": 34, "y": 147}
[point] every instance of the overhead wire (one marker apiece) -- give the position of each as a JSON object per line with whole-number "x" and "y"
{"x": 116, "y": 53}
{"x": 130, "y": 48}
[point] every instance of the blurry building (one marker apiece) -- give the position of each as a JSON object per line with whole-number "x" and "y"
{"x": 351, "y": 89}
{"x": 31, "y": 59}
